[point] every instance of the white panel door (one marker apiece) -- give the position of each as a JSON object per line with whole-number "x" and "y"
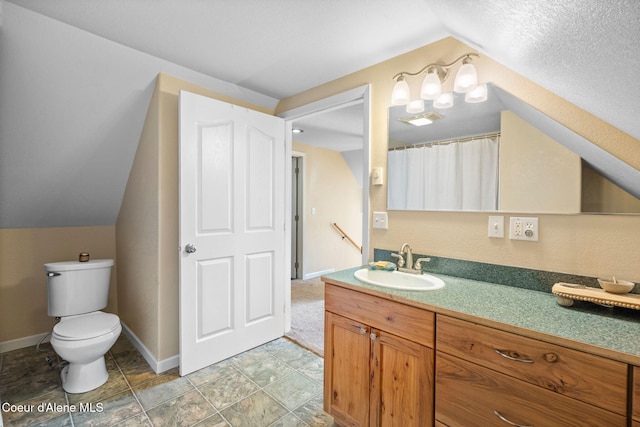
{"x": 232, "y": 239}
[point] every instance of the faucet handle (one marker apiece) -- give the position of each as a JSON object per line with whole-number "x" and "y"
{"x": 419, "y": 261}
{"x": 400, "y": 259}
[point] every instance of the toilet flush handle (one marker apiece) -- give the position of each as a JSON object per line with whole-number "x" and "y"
{"x": 189, "y": 248}
{"x": 52, "y": 274}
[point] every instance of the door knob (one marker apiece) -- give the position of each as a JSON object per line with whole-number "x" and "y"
{"x": 189, "y": 248}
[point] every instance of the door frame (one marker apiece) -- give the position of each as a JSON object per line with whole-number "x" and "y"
{"x": 361, "y": 94}
{"x": 300, "y": 199}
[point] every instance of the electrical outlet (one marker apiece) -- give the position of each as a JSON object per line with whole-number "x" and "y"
{"x": 523, "y": 228}
{"x": 496, "y": 226}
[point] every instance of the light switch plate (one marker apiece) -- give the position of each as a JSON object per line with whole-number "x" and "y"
{"x": 380, "y": 220}
{"x": 496, "y": 227}
{"x": 377, "y": 177}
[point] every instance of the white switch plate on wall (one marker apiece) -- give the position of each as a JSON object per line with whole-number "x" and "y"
{"x": 380, "y": 220}
{"x": 496, "y": 226}
{"x": 521, "y": 228}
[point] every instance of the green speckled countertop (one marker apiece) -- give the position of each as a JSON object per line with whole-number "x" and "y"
{"x": 610, "y": 332}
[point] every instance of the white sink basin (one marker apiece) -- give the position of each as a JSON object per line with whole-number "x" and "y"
{"x": 399, "y": 280}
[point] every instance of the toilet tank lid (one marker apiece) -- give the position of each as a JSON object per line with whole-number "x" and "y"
{"x": 77, "y": 265}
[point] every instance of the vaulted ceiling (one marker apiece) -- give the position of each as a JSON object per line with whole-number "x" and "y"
{"x": 76, "y": 77}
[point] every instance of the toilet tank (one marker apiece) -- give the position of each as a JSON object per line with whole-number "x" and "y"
{"x": 77, "y": 287}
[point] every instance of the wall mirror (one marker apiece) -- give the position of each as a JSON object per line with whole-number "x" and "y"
{"x": 501, "y": 155}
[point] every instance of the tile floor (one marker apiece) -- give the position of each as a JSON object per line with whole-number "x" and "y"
{"x": 277, "y": 384}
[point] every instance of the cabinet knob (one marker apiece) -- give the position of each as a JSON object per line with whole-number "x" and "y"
{"x": 373, "y": 336}
{"x": 363, "y": 331}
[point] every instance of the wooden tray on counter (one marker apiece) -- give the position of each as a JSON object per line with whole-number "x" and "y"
{"x": 568, "y": 292}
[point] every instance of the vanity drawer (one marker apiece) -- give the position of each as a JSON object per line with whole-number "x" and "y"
{"x": 593, "y": 379}
{"x": 399, "y": 319}
{"x": 471, "y": 395}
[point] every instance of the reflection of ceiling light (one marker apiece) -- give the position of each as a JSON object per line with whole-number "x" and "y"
{"x": 479, "y": 94}
{"x": 444, "y": 101}
{"x": 421, "y": 119}
{"x": 416, "y": 106}
{"x": 297, "y": 130}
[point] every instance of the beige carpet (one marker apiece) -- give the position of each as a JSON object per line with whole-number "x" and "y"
{"x": 307, "y": 314}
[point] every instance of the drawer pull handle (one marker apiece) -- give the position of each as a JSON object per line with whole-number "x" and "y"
{"x": 515, "y": 359}
{"x": 508, "y": 421}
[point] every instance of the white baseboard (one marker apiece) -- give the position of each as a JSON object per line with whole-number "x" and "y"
{"x": 157, "y": 365}
{"x": 23, "y": 342}
{"x": 161, "y": 366}
{"x": 317, "y": 274}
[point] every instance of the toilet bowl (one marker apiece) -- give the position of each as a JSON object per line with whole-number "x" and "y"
{"x": 82, "y": 340}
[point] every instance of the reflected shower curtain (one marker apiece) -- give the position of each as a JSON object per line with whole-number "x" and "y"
{"x": 451, "y": 176}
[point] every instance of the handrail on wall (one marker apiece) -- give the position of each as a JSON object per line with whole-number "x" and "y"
{"x": 345, "y": 236}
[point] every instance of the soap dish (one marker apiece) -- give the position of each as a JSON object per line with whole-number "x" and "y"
{"x": 382, "y": 265}
{"x": 616, "y": 286}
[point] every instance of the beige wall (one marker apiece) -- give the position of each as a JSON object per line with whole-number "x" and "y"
{"x": 592, "y": 245}
{"x": 23, "y": 290}
{"x": 536, "y": 172}
{"x": 332, "y": 190}
{"x": 137, "y": 235}
{"x": 147, "y": 227}
{"x": 601, "y": 195}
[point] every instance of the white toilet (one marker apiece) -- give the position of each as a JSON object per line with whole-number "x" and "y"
{"x": 76, "y": 291}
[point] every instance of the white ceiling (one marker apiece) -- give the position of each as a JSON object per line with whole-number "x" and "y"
{"x": 277, "y": 48}
{"x": 338, "y": 130}
{"x": 76, "y": 76}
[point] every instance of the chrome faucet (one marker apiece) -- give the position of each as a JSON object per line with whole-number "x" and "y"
{"x": 405, "y": 257}
{"x": 406, "y": 249}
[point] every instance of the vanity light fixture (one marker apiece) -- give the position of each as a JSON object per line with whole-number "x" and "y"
{"x": 466, "y": 80}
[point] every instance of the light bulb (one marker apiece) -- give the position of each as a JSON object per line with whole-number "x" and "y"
{"x": 400, "y": 94}
{"x": 431, "y": 86}
{"x": 466, "y": 79}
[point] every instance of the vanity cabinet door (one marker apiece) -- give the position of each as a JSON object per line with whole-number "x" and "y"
{"x": 401, "y": 382}
{"x": 471, "y": 395}
{"x": 596, "y": 380}
{"x": 346, "y": 370}
{"x": 374, "y": 376}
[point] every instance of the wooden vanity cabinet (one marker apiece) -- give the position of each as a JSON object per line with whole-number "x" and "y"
{"x": 487, "y": 377}
{"x": 635, "y": 398}
{"x": 379, "y": 361}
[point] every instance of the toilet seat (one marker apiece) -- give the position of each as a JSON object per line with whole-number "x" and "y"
{"x": 86, "y": 326}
